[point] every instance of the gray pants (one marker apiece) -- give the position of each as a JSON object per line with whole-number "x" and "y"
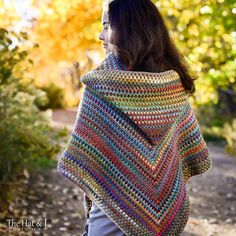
{"x": 99, "y": 224}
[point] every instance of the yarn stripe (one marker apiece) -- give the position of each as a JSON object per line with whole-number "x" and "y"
{"x": 135, "y": 143}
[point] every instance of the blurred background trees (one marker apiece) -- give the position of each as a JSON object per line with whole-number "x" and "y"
{"x": 67, "y": 32}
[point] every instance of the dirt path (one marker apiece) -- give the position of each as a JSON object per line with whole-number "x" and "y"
{"x": 213, "y": 197}
{"x": 46, "y": 195}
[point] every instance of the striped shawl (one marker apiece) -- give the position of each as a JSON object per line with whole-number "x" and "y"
{"x": 135, "y": 143}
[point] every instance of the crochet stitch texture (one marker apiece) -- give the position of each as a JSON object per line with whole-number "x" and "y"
{"x": 135, "y": 144}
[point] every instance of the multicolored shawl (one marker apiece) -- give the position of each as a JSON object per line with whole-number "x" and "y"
{"x": 135, "y": 143}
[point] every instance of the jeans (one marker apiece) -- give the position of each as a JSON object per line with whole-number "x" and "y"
{"x": 99, "y": 224}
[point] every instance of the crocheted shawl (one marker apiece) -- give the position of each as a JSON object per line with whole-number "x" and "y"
{"x": 135, "y": 143}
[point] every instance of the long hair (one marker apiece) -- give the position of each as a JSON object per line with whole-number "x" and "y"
{"x": 142, "y": 41}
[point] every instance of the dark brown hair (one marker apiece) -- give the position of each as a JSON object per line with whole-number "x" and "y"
{"x": 142, "y": 41}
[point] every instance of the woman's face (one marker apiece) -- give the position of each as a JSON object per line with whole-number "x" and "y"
{"x": 106, "y": 33}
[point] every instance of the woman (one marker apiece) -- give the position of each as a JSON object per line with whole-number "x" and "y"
{"x": 136, "y": 140}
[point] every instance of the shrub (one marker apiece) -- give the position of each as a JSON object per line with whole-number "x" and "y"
{"x": 25, "y": 132}
{"x": 229, "y": 133}
{"x": 55, "y": 97}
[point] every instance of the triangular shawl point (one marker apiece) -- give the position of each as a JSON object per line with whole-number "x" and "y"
{"x": 135, "y": 144}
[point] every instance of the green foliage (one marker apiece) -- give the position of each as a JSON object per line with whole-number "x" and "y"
{"x": 229, "y": 133}
{"x": 208, "y": 115}
{"x": 205, "y": 33}
{"x": 25, "y": 133}
{"x": 55, "y": 97}
{"x": 212, "y": 134}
